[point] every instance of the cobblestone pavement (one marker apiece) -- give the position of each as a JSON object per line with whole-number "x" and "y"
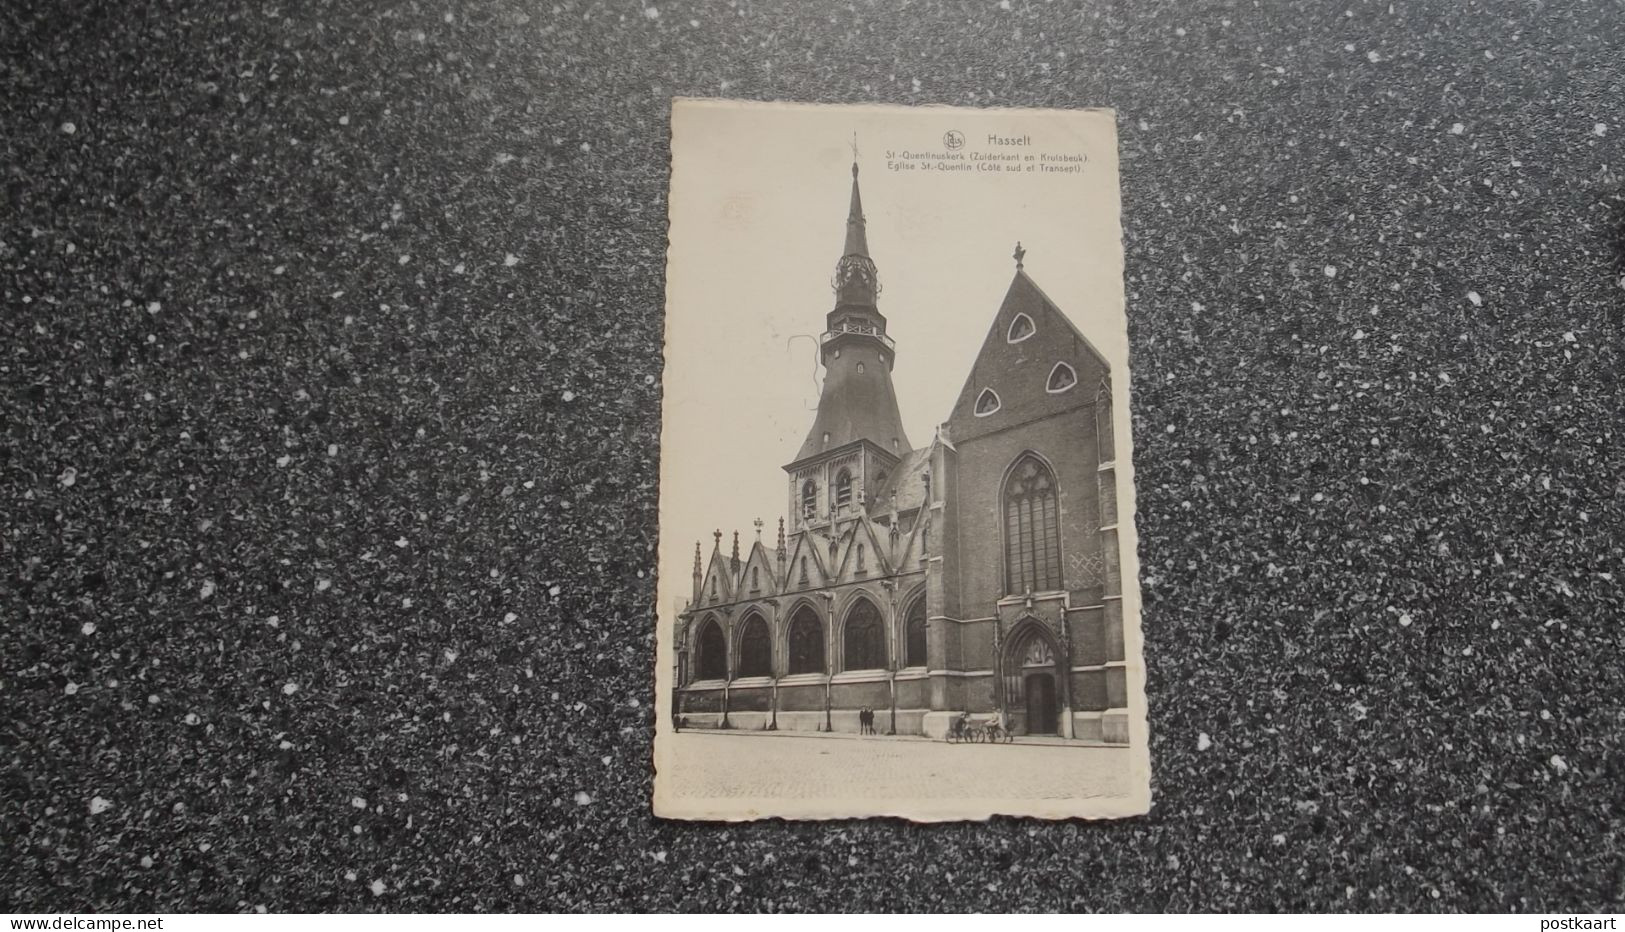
{"x": 757, "y": 766}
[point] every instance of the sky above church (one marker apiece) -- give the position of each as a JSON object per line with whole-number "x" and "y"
{"x": 758, "y": 220}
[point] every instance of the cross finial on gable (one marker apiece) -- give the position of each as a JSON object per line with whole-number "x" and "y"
{"x": 1019, "y": 255}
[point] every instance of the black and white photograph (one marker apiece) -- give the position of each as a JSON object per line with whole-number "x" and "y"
{"x": 896, "y": 437}
{"x": 940, "y": 458}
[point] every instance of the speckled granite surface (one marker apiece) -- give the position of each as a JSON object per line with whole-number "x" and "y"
{"x": 329, "y": 355}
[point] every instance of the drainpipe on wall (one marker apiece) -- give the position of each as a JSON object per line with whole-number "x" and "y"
{"x": 999, "y": 677}
{"x": 1064, "y": 662}
{"x": 828, "y": 724}
{"x": 773, "y": 663}
{"x": 892, "y": 681}
{"x": 829, "y": 655}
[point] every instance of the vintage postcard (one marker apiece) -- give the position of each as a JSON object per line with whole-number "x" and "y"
{"x": 897, "y": 550}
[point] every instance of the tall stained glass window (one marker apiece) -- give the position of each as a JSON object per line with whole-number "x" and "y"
{"x": 865, "y": 638}
{"x": 1032, "y": 529}
{"x": 806, "y": 642}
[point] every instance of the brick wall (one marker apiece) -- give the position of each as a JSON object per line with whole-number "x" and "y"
{"x": 1066, "y": 441}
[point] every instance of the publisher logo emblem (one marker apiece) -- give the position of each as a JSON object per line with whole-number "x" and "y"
{"x": 953, "y": 139}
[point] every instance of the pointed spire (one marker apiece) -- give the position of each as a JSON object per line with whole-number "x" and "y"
{"x": 736, "y": 551}
{"x": 853, "y": 404}
{"x": 857, "y": 239}
{"x": 782, "y": 555}
{"x": 699, "y": 576}
{"x": 856, "y": 281}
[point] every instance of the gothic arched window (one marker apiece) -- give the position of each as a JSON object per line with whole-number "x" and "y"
{"x": 864, "y": 638}
{"x": 806, "y": 642}
{"x": 755, "y": 578}
{"x": 843, "y": 490}
{"x": 1032, "y": 529}
{"x": 755, "y": 648}
{"x": 860, "y": 558}
{"x": 809, "y": 499}
{"x": 713, "y": 659}
{"x": 914, "y": 628}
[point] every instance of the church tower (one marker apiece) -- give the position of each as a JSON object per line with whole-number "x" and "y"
{"x": 857, "y": 437}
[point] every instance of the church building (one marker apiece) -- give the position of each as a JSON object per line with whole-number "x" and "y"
{"x": 978, "y": 572}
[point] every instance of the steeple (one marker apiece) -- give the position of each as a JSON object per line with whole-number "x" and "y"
{"x": 857, "y": 238}
{"x": 857, "y": 282}
{"x": 858, "y": 401}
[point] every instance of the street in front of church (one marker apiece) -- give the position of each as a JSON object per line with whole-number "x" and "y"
{"x": 844, "y": 767}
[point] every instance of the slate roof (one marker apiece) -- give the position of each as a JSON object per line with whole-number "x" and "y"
{"x": 906, "y": 479}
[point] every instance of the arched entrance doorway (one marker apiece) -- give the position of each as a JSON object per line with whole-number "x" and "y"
{"x": 1040, "y": 701}
{"x": 1034, "y": 699}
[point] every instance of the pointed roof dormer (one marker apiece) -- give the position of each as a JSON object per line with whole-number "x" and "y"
{"x": 808, "y": 569}
{"x": 862, "y": 553}
{"x": 758, "y": 577}
{"x": 718, "y": 585}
